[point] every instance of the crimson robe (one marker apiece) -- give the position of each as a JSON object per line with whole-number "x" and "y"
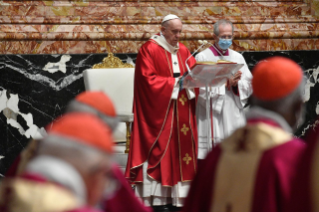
{"x": 305, "y": 190}
{"x": 269, "y": 185}
{"x": 159, "y": 137}
{"x": 126, "y": 194}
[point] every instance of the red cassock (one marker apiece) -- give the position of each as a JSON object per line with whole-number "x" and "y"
{"x": 250, "y": 171}
{"x": 124, "y": 199}
{"x": 305, "y": 187}
{"x": 164, "y": 130}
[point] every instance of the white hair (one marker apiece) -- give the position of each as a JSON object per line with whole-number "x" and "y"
{"x": 83, "y": 157}
{"x": 222, "y": 22}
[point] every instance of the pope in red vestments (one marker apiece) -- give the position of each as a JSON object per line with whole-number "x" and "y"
{"x": 163, "y": 148}
{"x": 253, "y": 169}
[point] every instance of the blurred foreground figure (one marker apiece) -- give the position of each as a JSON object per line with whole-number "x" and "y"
{"x": 252, "y": 170}
{"x": 92, "y": 102}
{"x": 70, "y": 172}
{"x": 100, "y": 105}
{"x": 305, "y": 193}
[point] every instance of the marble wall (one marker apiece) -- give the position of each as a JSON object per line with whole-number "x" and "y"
{"x": 34, "y": 90}
{"x": 92, "y": 26}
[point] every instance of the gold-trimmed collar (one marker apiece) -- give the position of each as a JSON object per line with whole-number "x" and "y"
{"x": 161, "y": 41}
{"x": 260, "y": 137}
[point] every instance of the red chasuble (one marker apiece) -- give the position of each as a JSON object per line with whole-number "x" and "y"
{"x": 305, "y": 194}
{"x": 164, "y": 130}
{"x": 251, "y": 171}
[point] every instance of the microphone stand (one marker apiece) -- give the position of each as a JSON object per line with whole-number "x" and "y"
{"x": 201, "y": 46}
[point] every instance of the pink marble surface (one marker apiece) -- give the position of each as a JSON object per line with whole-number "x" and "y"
{"x": 46, "y": 27}
{"x": 82, "y": 47}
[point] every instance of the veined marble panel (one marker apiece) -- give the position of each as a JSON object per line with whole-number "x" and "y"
{"x": 33, "y": 19}
{"x": 34, "y": 90}
{"x": 132, "y": 46}
{"x": 159, "y": 9}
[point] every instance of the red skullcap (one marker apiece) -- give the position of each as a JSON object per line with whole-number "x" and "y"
{"x": 275, "y": 78}
{"x": 84, "y": 128}
{"x": 98, "y": 100}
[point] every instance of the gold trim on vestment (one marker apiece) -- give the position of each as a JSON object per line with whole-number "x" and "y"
{"x": 234, "y": 183}
{"x": 179, "y": 144}
{"x": 184, "y": 129}
{"x": 169, "y": 65}
{"x": 182, "y": 63}
{"x": 159, "y": 182}
{"x": 187, "y": 158}
{"x": 169, "y": 140}
{"x": 182, "y": 99}
{"x": 193, "y": 138}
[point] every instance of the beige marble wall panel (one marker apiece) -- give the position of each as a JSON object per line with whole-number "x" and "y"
{"x": 82, "y": 47}
{"x": 150, "y": 20}
{"x": 148, "y": 3}
{"x": 78, "y": 26}
{"x": 181, "y": 10}
{"x": 193, "y": 28}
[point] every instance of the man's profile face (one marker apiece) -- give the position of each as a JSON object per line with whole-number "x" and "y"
{"x": 172, "y": 31}
{"x": 225, "y": 32}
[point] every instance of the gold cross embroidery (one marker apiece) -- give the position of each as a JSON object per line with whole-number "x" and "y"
{"x": 184, "y": 129}
{"x": 182, "y": 99}
{"x": 187, "y": 158}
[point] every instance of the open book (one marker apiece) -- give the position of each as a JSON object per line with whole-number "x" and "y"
{"x": 210, "y": 73}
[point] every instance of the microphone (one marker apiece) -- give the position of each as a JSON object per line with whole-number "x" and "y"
{"x": 203, "y": 43}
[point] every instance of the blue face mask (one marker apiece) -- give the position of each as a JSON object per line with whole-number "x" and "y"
{"x": 224, "y": 43}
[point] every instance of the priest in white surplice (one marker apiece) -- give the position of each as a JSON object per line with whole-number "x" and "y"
{"x": 228, "y": 101}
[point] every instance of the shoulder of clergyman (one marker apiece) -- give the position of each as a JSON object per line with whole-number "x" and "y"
{"x": 256, "y": 137}
{"x": 235, "y": 53}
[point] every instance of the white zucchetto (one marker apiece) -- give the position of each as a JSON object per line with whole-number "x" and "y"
{"x": 169, "y": 17}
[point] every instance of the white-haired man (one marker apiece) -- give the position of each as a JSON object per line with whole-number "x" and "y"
{"x": 228, "y": 101}
{"x": 162, "y": 159}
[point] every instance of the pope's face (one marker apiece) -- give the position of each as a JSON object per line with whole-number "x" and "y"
{"x": 172, "y": 31}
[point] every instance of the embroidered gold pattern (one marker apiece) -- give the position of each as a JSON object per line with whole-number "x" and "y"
{"x": 112, "y": 62}
{"x": 184, "y": 129}
{"x": 187, "y": 158}
{"x": 182, "y": 99}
